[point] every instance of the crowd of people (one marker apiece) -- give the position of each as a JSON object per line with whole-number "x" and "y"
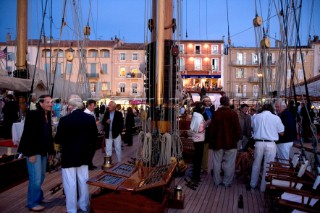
{"x": 241, "y": 139}
{"x": 267, "y": 132}
{"x": 78, "y": 126}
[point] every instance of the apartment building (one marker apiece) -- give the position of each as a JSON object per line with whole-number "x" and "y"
{"x": 253, "y": 74}
{"x": 126, "y": 76}
{"x": 111, "y": 67}
{"x": 202, "y": 63}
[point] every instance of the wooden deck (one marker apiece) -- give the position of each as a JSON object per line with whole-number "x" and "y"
{"x": 206, "y": 198}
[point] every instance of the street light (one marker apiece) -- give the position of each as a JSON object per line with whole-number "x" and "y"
{"x": 260, "y": 75}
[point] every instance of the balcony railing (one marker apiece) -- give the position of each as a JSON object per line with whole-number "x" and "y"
{"x": 133, "y": 75}
{"x": 93, "y": 75}
{"x": 254, "y": 79}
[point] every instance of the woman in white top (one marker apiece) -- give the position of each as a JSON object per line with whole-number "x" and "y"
{"x": 197, "y": 130}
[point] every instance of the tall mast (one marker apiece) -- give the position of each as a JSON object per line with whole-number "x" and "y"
{"x": 22, "y": 9}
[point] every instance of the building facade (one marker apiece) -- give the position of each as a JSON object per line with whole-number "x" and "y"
{"x": 253, "y": 74}
{"x": 202, "y": 64}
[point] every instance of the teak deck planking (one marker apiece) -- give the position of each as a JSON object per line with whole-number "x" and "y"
{"x": 206, "y": 198}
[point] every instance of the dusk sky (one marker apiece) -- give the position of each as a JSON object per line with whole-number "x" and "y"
{"x": 201, "y": 19}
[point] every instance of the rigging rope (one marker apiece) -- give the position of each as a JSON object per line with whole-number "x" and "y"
{"x": 165, "y": 149}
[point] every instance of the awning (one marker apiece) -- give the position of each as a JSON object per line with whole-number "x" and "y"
{"x": 201, "y": 76}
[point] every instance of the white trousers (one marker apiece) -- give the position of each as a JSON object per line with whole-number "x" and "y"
{"x": 70, "y": 178}
{"x": 283, "y": 151}
{"x": 117, "y": 146}
{"x": 266, "y": 151}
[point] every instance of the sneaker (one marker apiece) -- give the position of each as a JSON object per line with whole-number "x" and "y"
{"x": 37, "y": 208}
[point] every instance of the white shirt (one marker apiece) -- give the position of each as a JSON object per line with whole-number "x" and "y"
{"x": 90, "y": 113}
{"x": 266, "y": 126}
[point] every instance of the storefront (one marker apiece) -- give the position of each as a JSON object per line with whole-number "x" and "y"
{"x": 196, "y": 82}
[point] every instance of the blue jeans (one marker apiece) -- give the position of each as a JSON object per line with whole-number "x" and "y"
{"x": 37, "y": 172}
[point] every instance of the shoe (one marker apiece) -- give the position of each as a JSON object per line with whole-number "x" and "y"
{"x": 37, "y": 208}
{"x": 92, "y": 167}
{"x": 46, "y": 201}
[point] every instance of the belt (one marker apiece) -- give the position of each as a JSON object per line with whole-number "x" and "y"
{"x": 263, "y": 140}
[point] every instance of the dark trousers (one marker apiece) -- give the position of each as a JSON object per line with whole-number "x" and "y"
{"x": 197, "y": 160}
{"x": 92, "y": 151}
{"x": 128, "y": 137}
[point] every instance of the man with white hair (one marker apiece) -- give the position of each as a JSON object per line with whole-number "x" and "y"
{"x": 285, "y": 142}
{"x": 113, "y": 126}
{"x": 76, "y": 132}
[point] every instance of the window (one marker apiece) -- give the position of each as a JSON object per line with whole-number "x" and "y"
{"x": 288, "y": 74}
{"x": 255, "y": 73}
{"x": 58, "y": 69}
{"x": 105, "y": 53}
{"x": 10, "y": 56}
{"x": 134, "y": 88}
{"x": 269, "y": 58}
{"x": 47, "y": 67}
{"x": 244, "y": 90}
{"x": 215, "y": 64}
{"x": 134, "y": 56}
{"x": 299, "y": 57}
{"x": 122, "y": 57}
{"x": 300, "y": 74}
{"x": 94, "y": 53}
{"x": 237, "y": 90}
{"x": 273, "y": 74}
{"x": 241, "y": 73}
{"x": 60, "y": 54}
{"x": 69, "y": 68}
{"x": 83, "y": 53}
{"x": 105, "y": 86}
{"x": 122, "y": 72}
{"x": 214, "y": 49}
{"x": 93, "y": 87}
{"x": 47, "y": 53}
{"x": 255, "y": 90}
{"x": 182, "y": 64}
{"x": 134, "y": 72}
{"x": 181, "y": 48}
{"x": 93, "y": 68}
{"x": 197, "y": 64}
{"x": 104, "y": 68}
{"x": 255, "y": 58}
{"x": 122, "y": 87}
{"x": 240, "y": 58}
{"x": 197, "y": 49}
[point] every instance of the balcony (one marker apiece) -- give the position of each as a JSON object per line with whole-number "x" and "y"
{"x": 134, "y": 75}
{"x": 254, "y": 79}
{"x": 93, "y": 76}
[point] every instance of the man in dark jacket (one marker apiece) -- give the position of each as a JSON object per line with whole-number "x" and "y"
{"x": 10, "y": 115}
{"x": 290, "y": 132}
{"x": 225, "y": 132}
{"x": 113, "y": 126}
{"x": 76, "y": 132}
{"x": 36, "y": 144}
